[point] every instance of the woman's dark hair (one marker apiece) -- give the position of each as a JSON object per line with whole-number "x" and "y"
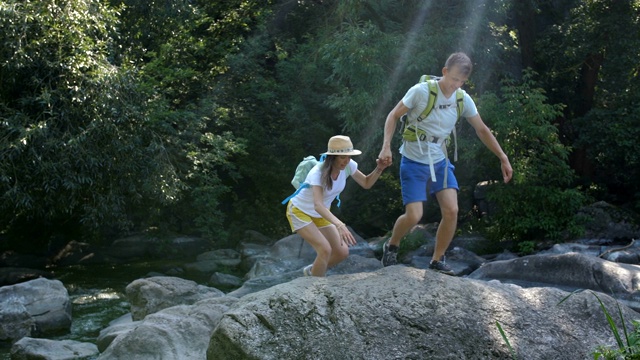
{"x": 327, "y": 181}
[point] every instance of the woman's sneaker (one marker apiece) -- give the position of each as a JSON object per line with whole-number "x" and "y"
{"x": 440, "y": 266}
{"x": 307, "y": 270}
{"x": 389, "y": 257}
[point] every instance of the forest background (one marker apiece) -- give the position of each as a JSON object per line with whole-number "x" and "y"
{"x": 189, "y": 116}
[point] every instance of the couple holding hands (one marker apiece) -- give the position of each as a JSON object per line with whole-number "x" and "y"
{"x": 424, "y": 165}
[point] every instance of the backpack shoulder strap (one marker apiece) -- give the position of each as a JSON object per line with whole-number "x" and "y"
{"x": 433, "y": 94}
{"x": 459, "y": 102}
{"x": 460, "y": 108}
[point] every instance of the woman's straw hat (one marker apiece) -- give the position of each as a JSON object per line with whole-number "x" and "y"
{"x": 341, "y": 145}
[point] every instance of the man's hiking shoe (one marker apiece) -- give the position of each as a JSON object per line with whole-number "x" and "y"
{"x": 307, "y": 270}
{"x": 388, "y": 257}
{"x": 440, "y": 266}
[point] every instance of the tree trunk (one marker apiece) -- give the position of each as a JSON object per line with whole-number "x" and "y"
{"x": 525, "y": 12}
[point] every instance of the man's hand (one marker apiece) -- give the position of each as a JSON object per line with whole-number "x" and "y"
{"x": 507, "y": 171}
{"x": 385, "y": 157}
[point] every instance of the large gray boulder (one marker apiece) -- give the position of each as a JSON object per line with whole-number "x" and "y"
{"x": 117, "y": 327}
{"x": 570, "y": 271}
{"x": 177, "y": 333}
{"x": 38, "y": 307}
{"x": 15, "y": 320}
{"x": 153, "y": 294}
{"x": 293, "y": 252}
{"x": 31, "y": 349}
{"x": 352, "y": 264}
{"x": 406, "y": 313}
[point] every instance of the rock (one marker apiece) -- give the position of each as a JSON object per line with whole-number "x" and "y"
{"x": 264, "y": 282}
{"x": 623, "y": 253}
{"x": 505, "y": 255}
{"x": 11, "y": 258}
{"x": 28, "y": 349}
{"x": 352, "y": 264}
{"x": 201, "y": 267}
{"x": 180, "y": 332}
{"x": 355, "y": 264}
{"x": 183, "y": 247}
{"x": 47, "y": 303}
{"x": 269, "y": 267}
{"x": 209, "y": 262}
{"x": 131, "y": 248}
{"x": 624, "y": 256}
{"x": 77, "y": 253}
{"x": 254, "y": 237}
{"x": 565, "y": 248}
{"x": 223, "y": 257}
{"x": 571, "y": 271}
{"x": 221, "y": 280}
{"x": 16, "y": 275}
{"x": 461, "y": 261}
{"x": 292, "y": 253}
{"x": 606, "y": 221}
{"x": 292, "y": 247}
{"x": 251, "y": 253}
{"x": 117, "y": 327}
{"x": 150, "y": 295}
{"x": 15, "y": 320}
{"x": 145, "y": 247}
{"x": 407, "y": 313}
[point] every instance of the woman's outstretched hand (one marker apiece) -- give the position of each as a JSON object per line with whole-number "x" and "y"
{"x": 346, "y": 236}
{"x": 382, "y": 164}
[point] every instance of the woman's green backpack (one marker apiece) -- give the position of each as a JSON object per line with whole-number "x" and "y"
{"x": 300, "y": 175}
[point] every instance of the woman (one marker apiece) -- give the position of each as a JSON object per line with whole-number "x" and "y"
{"x": 309, "y": 211}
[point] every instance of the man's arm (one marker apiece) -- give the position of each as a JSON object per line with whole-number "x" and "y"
{"x": 389, "y": 129}
{"x": 487, "y": 138}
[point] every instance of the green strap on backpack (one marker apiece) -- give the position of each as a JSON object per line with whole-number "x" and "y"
{"x": 409, "y": 133}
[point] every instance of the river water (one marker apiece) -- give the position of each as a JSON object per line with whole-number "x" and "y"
{"x": 98, "y": 296}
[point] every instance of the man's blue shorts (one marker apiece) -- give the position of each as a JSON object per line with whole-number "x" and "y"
{"x": 415, "y": 177}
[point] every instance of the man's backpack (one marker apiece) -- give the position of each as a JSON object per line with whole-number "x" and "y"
{"x": 410, "y": 134}
{"x": 300, "y": 175}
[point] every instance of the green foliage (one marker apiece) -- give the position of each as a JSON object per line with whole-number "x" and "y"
{"x": 191, "y": 116}
{"x": 410, "y": 242}
{"x": 382, "y": 205}
{"x": 528, "y": 212}
{"x": 73, "y": 149}
{"x": 596, "y": 74}
{"x": 90, "y": 145}
{"x": 526, "y": 247}
{"x": 506, "y": 340}
{"x": 611, "y": 139}
{"x": 539, "y": 203}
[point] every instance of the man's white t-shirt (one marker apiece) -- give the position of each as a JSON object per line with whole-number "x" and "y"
{"x": 304, "y": 199}
{"x": 439, "y": 123}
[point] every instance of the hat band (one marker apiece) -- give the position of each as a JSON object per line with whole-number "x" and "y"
{"x": 340, "y": 150}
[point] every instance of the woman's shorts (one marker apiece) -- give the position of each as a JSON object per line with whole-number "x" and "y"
{"x": 298, "y": 219}
{"x": 415, "y": 177}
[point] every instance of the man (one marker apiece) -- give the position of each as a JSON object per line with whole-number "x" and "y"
{"x": 424, "y": 159}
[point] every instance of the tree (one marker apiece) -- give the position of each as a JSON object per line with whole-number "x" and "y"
{"x": 591, "y": 57}
{"x": 73, "y": 149}
{"x": 541, "y": 201}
